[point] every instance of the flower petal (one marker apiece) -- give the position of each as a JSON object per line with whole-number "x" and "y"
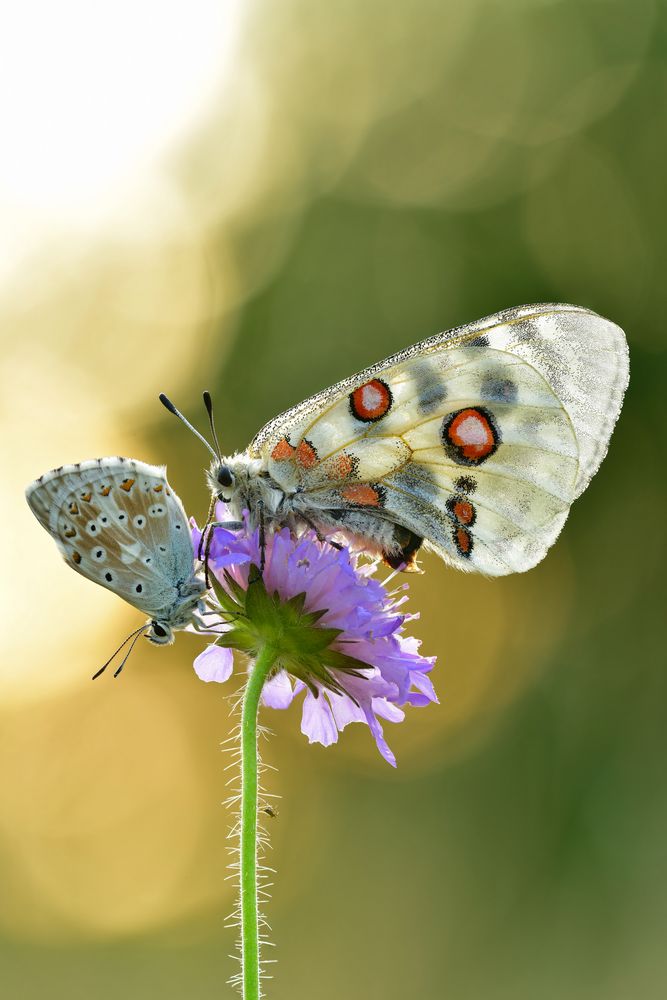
{"x": 385, "y": 709}
{"x": 214, "y": 664}
{"x": 380, "y": 741}
{"x": 317, "y": 721}
{"x": 277, "y": 691}
{"x": 344, "y": 710}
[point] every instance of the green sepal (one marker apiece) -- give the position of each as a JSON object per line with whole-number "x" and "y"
{"x": 303, "y": 647}
{"x": 226, "y": 602}
{"x": 238, "y": 638}
{"x": 238, "y": 593}
{"x": 341, "y": 661}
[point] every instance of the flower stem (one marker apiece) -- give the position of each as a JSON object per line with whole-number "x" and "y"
{"x": 249, "y": 785}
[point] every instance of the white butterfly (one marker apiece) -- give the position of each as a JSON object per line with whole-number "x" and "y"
{"x": 118, "y": 522}
{"x": 475, "y": 442}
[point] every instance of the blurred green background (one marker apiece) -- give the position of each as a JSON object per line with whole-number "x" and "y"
{"x": 346, "y": 180}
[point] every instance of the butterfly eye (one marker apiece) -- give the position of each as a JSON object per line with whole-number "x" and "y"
{"x": 159, "y": 631}
{"x": 225, "y": 476}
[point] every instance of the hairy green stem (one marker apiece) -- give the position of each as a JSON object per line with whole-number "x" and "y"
{"x": 249, "y": 787}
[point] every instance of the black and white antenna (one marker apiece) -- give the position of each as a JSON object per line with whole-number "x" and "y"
{"x": 135, "y": 635}
{"x": 167, "y": 403}
{"x": 208, "y": 403}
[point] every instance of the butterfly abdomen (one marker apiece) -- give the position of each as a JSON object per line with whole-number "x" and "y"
{"x": 405, "y": 556}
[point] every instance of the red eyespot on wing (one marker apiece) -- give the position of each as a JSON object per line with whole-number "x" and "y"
{"x": 306, "y": 455}
{"x": 470, "y": 436}
{"x": 364, "y": 495}
{"x": 371, "y": 401}
{"x": 463, "y": 542}
{"x": 282, "y": 451}
{"x": 462, "y": 510}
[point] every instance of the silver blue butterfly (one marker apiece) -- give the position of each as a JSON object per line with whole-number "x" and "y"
{"x": 118, "y": 522}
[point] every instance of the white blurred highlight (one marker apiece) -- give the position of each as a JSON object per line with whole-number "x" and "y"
{"x": 91, "y": 96}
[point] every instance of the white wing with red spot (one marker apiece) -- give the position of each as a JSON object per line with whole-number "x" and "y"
{"x": 477, "y": 440}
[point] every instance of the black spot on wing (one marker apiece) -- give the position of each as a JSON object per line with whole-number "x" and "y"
{"x": 466, "y": 484}
{"x": 499, "y": 389}
{"x": 417, "y": 480}
{"x": 430, "y": 388}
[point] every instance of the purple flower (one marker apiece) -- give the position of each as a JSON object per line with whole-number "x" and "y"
{"x": 339, "y": 631}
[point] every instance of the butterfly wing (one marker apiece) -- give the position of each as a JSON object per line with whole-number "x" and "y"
{"x": 478, "y": 439}
{"x": 118, "y": 523}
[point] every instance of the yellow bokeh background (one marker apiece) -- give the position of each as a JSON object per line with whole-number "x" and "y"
{"x": 259, "y": 199}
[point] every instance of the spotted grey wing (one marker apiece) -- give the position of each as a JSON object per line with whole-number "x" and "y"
{"x": 478, "y": 439}
{"x": 118, "y": 523}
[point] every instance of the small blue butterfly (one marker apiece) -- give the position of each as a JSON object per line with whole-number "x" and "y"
{"x": 118, "y": 522}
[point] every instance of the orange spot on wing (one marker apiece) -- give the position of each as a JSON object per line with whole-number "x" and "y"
{"x": 127, "y": 485}
{"x": 158, "y": 488}
{"x": 69, "y": 532}
{"x": 371, "y": 401}
{"x": 76, "y": 558}
{"x": 464, "y": 512}
{"x": 463, "y": 540}
{"x": 105, "y": 491}
{"x": 282, "y": 451}
{"x": 362, "y": 494}
{"x": 306, "y": 455}
{"x": 86, "y": 497}
{"x": 341, "y": 467}
{"x": 471, "y": 432}
{"x": 73, "y": 509}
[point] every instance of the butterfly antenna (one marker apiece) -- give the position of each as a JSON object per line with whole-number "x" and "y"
{"x": 208, "y": 403}
{"x": 115, "y": 654}
{"x": 167, "y": 403}
{"x": 132, "y": 645}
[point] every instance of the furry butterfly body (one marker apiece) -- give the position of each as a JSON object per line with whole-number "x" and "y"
{"x": 118, "y": 522}
{"x": 475, "y": 442}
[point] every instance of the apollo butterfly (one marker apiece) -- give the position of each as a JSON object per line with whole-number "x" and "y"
{"x": 474, "y": 443}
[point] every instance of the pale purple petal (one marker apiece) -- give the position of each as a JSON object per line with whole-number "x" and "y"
{"x": 344, "y": 710}
{"x": 214, "y": 664}
{"x": 277, "y": 691}
{"x": 424, "y": 687}
{"x": 386, "y": 710}
{"x": 380, "y": 741}
{"x": 317, "y": 722}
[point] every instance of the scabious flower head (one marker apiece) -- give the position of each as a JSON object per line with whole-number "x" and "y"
{"x": 338, "y": 631}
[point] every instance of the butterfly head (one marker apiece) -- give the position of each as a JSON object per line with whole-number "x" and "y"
{"x": 159, "y": 632}
{"x": 221, "y": 479}
{"x": 231, "y": 480}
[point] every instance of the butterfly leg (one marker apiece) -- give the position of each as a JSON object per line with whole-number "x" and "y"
{"x": 209, "y": 519}
{"x": 262, "y": 536}
{"x": 320, "y": 537}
